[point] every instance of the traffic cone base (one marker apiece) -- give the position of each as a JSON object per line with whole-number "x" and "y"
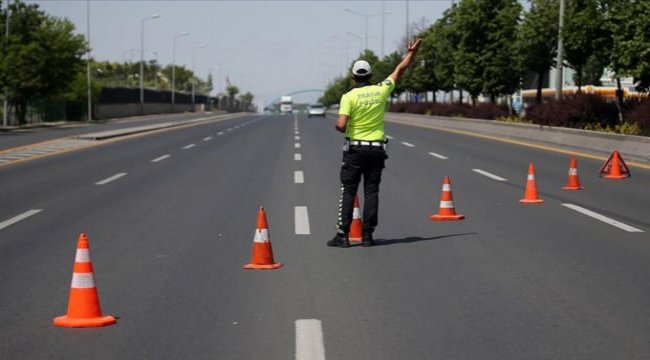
{"x": 438, "y": 217}
{"x": 531, "y": 201}
{"x": 573, "y": 188}
{"x": 615, "y": 177}
{"x": 263, "y": 267}
{"x": 66, "y": 321}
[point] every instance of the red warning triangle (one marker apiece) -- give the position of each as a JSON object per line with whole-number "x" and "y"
{"x": 615, "y": 167}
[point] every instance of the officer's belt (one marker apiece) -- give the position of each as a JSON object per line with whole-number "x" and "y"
{"x": 365, "y": 143}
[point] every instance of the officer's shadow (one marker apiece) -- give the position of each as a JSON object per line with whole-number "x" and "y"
{"x": 412, "y": 239}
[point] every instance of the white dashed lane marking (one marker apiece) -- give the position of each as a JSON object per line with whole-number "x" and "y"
{"x": 389, "y": 137}
{"x": 407, "y": 144}
{"x": 602, "y": 218}
{"x": 112, "y": 178}
{"x": 489, "y": 175}
{"x": 297, "y": 157}
{"x": 208, "y": 138}
{"x": 161, "y": 158}
{"x": 441, "y": 157}
{"x": 309, "y": 340}
{"x": 186, "y": 147}
{"x": 220, "y": 133}
{"x": 296, "y": 145}
{"x": 298, "y": 177}
{"x": 301, "y": 219}
{"x": 19, "y": 218}
{"x": 296, "y": 138}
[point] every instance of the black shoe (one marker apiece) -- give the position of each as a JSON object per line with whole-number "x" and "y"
{"x": 367, "y": 240}
{"x": 339, "y": 241}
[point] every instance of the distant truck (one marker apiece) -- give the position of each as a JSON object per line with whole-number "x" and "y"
{"x": 286, "y": 104}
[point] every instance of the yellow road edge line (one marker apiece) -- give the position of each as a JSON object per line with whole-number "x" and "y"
{"x": 518, "y": 142}
{"x": 104, "y": 142}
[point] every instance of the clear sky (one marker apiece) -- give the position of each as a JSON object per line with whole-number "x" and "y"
{"x": 269, "y": 48}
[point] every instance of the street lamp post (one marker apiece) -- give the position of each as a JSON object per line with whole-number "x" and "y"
{"x": 560, "y": 54}
{"x": 154, "y": 16}
{"x": 346, "y": 54}
{"x": 193, "y": 67}
{"x": 367, "y": 16}
{"x": 90, "y": 101}
{"x": 184, "y": 33}
{"x": 5, "y": 115}
{"x": 360, "y": 38}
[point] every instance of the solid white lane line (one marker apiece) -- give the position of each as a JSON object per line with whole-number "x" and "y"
{"x": 301, "y": 218}
{"x": 442, "y": 157}
{"x": 389, "y": 137}
{"x": 298, "y": 177}
{"x": 296, "y": 138}
{"x": 309, "y": 340}
{"x": 490, "y": 175}
{"x": 161, "y": 158}
{"x": 602, "y": 218}
{"x": 296, "y": 145}
{"x": 112, "y": 178}
{"x": 208, "y": 138}
{"x": 407, "y": 144}
{"x": 297, "y": 156}
{"x": 18, "y": 218}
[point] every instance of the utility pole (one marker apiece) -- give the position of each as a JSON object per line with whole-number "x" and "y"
{"x": 5, "y": 112}
{"x": 559, "y": 78}
{"x": 88, "y": 73}
{"x": 408, "y": 35}
{"x": 383, "y": 25}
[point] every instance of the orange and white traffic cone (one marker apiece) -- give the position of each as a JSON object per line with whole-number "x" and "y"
{"x": 83, "y": 304}
{"x": 356, "y": 227}
{"x": 573, "y": 182}
{"x": 447, "y": 212}
{"x": 530, "y": 195}
{"x": 262, "y": 256}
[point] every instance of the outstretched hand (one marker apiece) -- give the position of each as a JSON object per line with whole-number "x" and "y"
{"x": 414, "y": 45}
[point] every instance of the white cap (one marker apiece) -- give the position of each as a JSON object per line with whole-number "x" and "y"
{"x": 361, "y": 68}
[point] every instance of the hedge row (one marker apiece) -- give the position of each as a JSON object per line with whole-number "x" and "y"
{"x": 480, "y": 111}
{"x": 581, "y": 111}
{"x": 589, "y": 111}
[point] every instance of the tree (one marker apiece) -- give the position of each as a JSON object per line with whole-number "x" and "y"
{"x": 500, "y": 73}
{"x": 630, "y": 28}
{"x": 444, "y": 42}
{"x": 586, "y": 39}
{"x": 537, "y": 42}
{"x": 41, "y": 58}
{"x": 232, "y": 90}
{"x": 246, "y": 101}
{"x": 468, "y": 68}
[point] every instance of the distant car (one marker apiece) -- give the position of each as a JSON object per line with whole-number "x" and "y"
{"x": 316, "y": 110}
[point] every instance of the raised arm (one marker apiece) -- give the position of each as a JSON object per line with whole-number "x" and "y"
{"x": 412, "y": 49}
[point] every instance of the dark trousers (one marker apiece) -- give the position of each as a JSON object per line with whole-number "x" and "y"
{"x": 358, "y": 161}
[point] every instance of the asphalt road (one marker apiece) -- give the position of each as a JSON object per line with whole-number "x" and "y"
{"x": 169, "y": 238}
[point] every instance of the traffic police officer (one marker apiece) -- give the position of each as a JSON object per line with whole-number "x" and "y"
{"x": 361, "y": 118}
